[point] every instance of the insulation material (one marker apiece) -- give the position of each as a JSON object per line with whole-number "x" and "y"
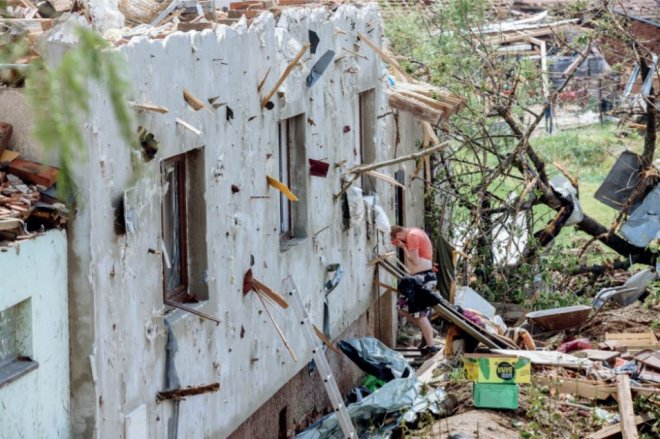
{"x": 561, "y": 184}
{"x": 355, "y": 205}
{"x": 382, "y": 220}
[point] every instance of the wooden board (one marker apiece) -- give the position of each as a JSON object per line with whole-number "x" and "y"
{"x": 588, "y": 389}
{"x": 649, "y": 357}
{"x": 612, "y": 431}
{"x": 549, "y": 358}
{"x": 632, "y": 339}
{"x": 626, "y": 411}
{"x": 597, "y": 355}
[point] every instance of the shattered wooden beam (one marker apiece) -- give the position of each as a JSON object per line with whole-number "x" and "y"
{"x": 626, "y": 411}
{"x": 189, "y": 391}
{"x": 416, "y": 107}
{"x": 285, "y": 74}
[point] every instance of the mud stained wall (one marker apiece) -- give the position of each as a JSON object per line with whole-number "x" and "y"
{"x": 117, "y": 311}
{"x": 34, "y": 278}
{"x": 303, "y": 399}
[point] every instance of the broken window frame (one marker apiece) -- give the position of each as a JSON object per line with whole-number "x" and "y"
{"x": 293, "y": 170}
{"x": 15, "y": 342}
{"x": 366, "y": 111}
{"x": 179, "y": 220}
{"x": 190, "y": 219}
{"x": 284, "y": 169}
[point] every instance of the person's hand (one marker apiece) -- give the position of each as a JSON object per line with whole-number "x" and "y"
{"x": 397, "y": 243}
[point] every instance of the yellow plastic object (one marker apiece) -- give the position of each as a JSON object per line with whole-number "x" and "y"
{"x": 497, "y": 369}
{"x": 281, "y": 187}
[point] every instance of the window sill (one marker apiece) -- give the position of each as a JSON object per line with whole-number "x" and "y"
{"x": 288, "y": 244}
{"x": 16, "y": 369}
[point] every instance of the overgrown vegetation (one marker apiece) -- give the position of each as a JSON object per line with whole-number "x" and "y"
{"x": 501, "y": 163}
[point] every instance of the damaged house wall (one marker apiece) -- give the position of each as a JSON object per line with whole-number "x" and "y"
{"x": 34, "y": 338}
{"x": 118, "y": 360}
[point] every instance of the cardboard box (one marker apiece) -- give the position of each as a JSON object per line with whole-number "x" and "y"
{"x": 495, "y": 396}
{"x": 497, "y": 369}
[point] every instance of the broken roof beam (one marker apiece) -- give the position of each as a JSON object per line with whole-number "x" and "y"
{"x": 415, "y": 106}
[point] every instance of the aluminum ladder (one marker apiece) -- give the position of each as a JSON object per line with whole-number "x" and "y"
{"x": 329, "y": 381}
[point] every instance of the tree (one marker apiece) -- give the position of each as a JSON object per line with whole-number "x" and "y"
{"x": 506, "y": 99}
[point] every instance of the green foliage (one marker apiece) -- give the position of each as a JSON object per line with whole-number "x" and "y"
{"x": 59, "y": 97}
{"x": 651, "y": 406}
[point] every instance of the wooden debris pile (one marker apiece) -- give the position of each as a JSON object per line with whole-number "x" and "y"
{"x": 604, "y": 366}
{"x": 27, "y": 204}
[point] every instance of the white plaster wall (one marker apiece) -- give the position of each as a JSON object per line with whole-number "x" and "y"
{"x": 118, "y": 362}
{"x": 36, "y": 405}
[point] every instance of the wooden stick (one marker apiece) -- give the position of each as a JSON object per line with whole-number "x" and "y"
{"x": 364, "y": 168}
{"x": 189, "y": 391}
{"x": 148, "y": 107}
{"x": 279, "y": 331}
{"x": 187, "y": 126}
{"x": 385, "y": 57}
{"x": 284, "y": 74}
{"x": 193, "y": 311}
{"x": 385, "y": 178}
{"x": 384, "y": 285}
{"x": 379, "y": 258}
{"x": 270, "y": 302}
{"x": 624, "y": 398}
{"x": 326, "y": 340}
{"x": 272, "y": 294}
{"x": 263, "y": 81}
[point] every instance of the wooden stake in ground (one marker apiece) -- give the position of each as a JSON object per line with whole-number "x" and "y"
{"x": 624, "y": 398}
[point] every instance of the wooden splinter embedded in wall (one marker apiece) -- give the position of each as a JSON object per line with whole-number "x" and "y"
{"x": 194, "y": 103}
{"x": 281, "y": 187}
{"x": 285, "y": 74}
{"x": 251, "y": 284}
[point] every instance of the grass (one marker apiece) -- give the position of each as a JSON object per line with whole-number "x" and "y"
{"x": 586, "y": 153}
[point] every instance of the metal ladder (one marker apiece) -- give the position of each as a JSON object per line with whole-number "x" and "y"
{"x": 329, "y": 381}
